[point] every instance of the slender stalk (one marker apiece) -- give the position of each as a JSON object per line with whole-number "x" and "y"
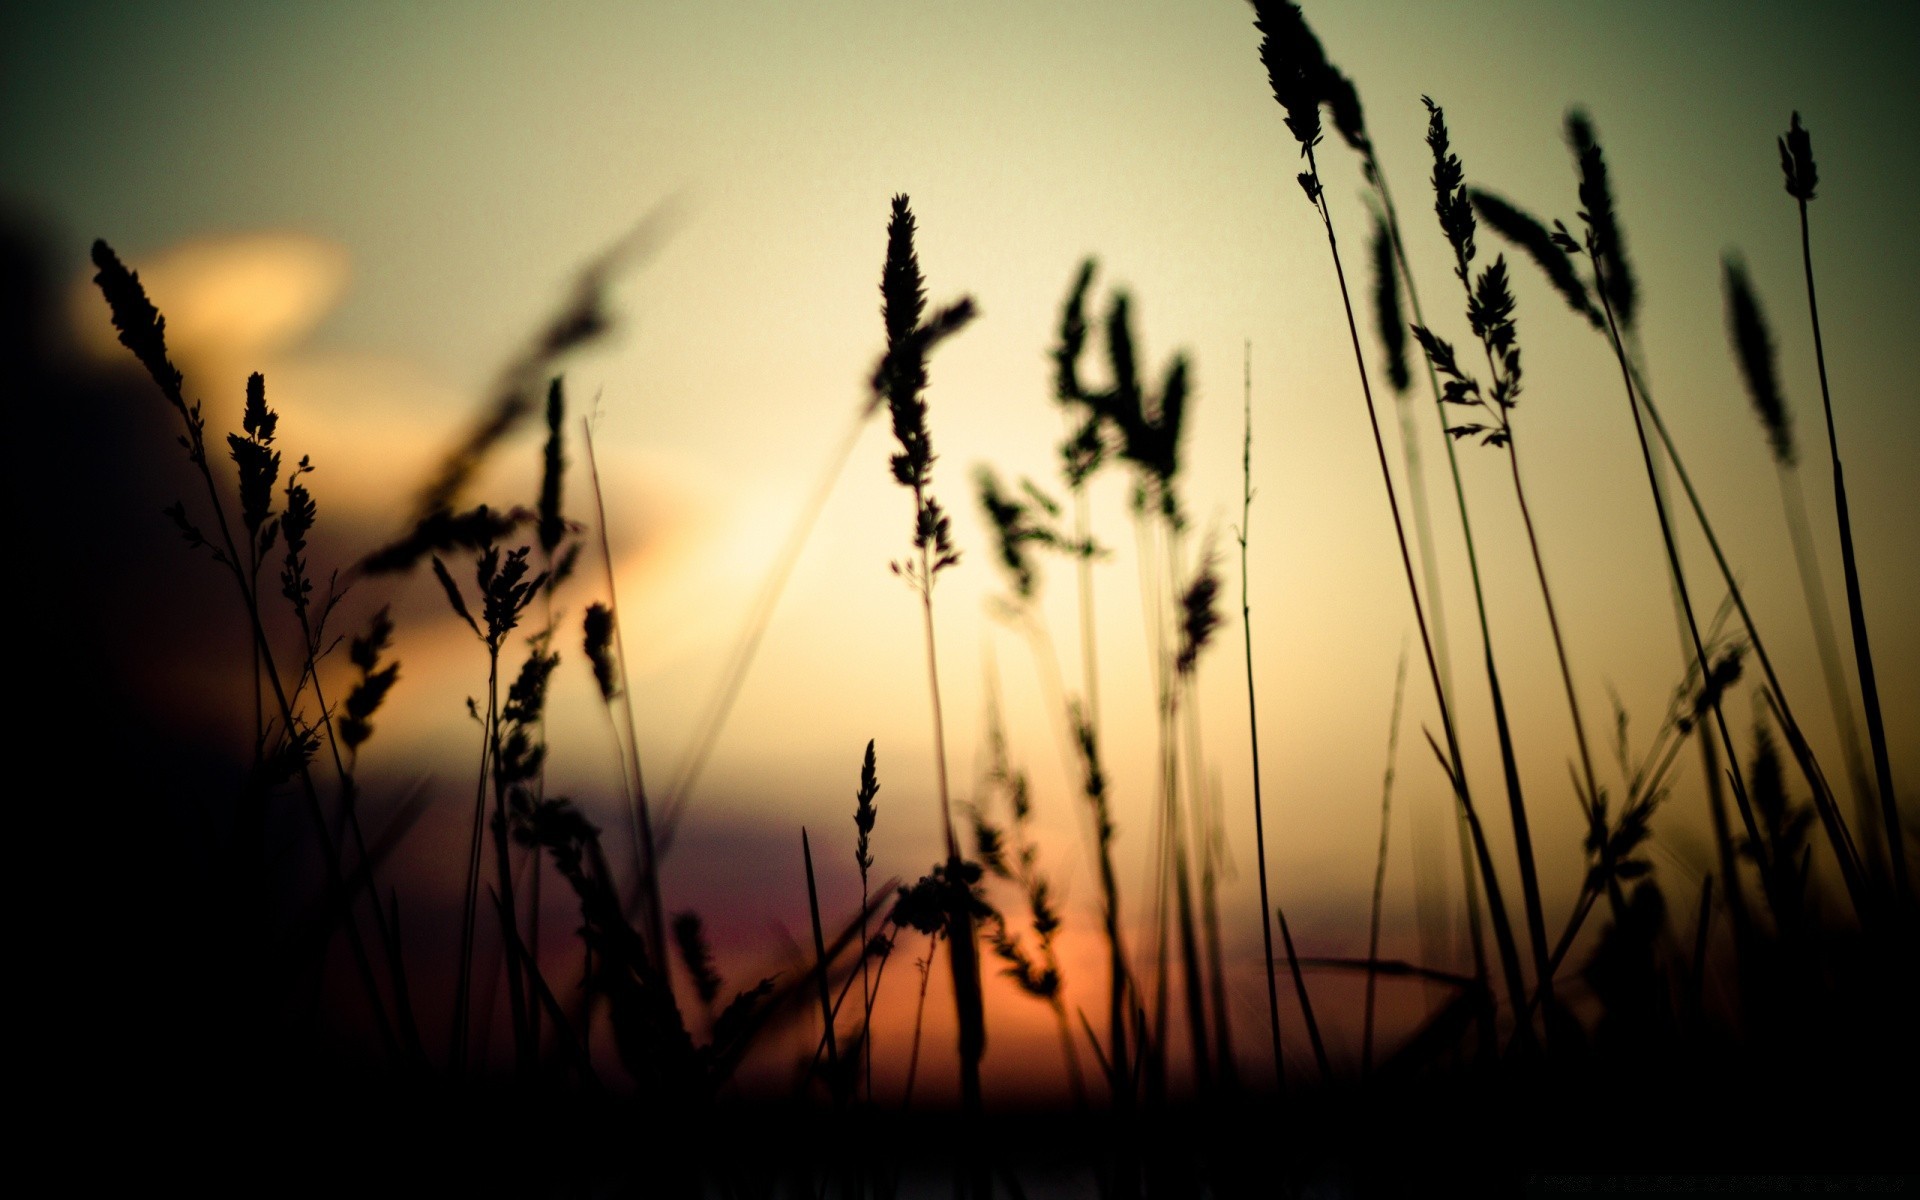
{"x": 1306, "y": 1001}
{"x": 1503, "y": 931}
{"x": 919, "y": 1016}
{"x": 1380, "y": 861}
{"x": 740, "y": 660}
{"x": 1529, "y": 877}
{"x": 646, "y": 859}
{"x": 142, "y": 332}
{"x": 820, "y": 967}
{"x": 469, "y": 915}
{"x": 1467, "y": 873}
{"x": 1856, "y": 611}
{"x": 1673, "y": 563}
{"x": 1851, "y": 870}
{"x": 1253, "y": 731}
{"x": 1490, "y": 306}
{"x": 1833, "y": 674}
{"x": 1178, "y": 687}
{"x": 525, "y": 1049}
{"x": 384, "y": 925}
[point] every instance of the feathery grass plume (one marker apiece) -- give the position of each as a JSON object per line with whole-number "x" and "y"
{"x": 1450, "y": 201}
{"x": 505, "y": 592}
{"x": 1015, "y": 528}
{"x": 1454, "y": 763}
{"x": 1643, "y": 400}
{"x": 1297, "y": 69}
{"x": 1753, "y": 347}
{"x": 902, "y": 378}
{"x": 1596, "y": 199}
{"x": 864, "y": 812}
{"x": 296, "y": 521}
{"x": 1149, "y": 431}
{"x": 583, "y": 317}
{"x": 597, "y": 628}
{"x": 1490, "y": 309}
{"x": 1802, "y": 176}
{"x": 474, "y": 529}
{"x": 258, "y": 464}
{"x": 1524, "y": 231}
{"x": 1084, "y": 451}
{"x": 1429, "y": 558}
{"x": 1149, "y": 423}
{"x": 1085, "y": 448}
{"x": 691, "y": 938}
{"x": 355, "y": 725}
{"x": 1198, "y": 615}
{"x": 553, "y": 466}
{"x": 1600, "y": 234}
{"x": 1343, "y": 105}
{"x": 1386, "y": 309}
{"x": 1796, "y": 161}
{"x": 1613, "y": 847}
{"x": 518, "y": 755}
{"x": 143, "y": 331}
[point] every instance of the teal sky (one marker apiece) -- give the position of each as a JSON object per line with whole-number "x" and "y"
{"x": 461, "y": 159}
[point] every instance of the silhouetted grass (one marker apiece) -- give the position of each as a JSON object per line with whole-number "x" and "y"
{"x": 1642, "y": 1030}
{"x": 1300, "y": 76}
{"x": 1796, "y": 160}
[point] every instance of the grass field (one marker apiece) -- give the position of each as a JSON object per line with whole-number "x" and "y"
{"x": 1570, "y": 934}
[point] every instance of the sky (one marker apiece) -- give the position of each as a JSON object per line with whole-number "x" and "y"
{"x": 376, "y": 204}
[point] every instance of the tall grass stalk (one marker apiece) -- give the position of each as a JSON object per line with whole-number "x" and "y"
{"x": 1197, "y": 622}
{"x": 902, "y": 378}
{"x": 1082, "y": 454}
{"x": 1355, "y": 133}
{"x": 820, "y": 964}
{"x": 864, "y": 814}
{"x": 1253, "y": 725}
{"x": 1299, "y": 74}
{"x": 1597, "y": 252}
{"x": 1306, "y": 1001}
{"x": 1753, "y": 349}
{"x": 1380, "y": 861}
{"x": 1802, "y": 177}
{"x": 1852, "y": 871}
{"x": 1551, "y": 250}
{"x": 1614, "y": 288}
{"x": 1490, "y": 307}
{"x": 639, "y": 812}
{"x": 733, "y": 675}
{"x": 143, "y": 331}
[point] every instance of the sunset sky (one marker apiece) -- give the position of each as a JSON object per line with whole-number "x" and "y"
{"x": 376, "y": 204}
